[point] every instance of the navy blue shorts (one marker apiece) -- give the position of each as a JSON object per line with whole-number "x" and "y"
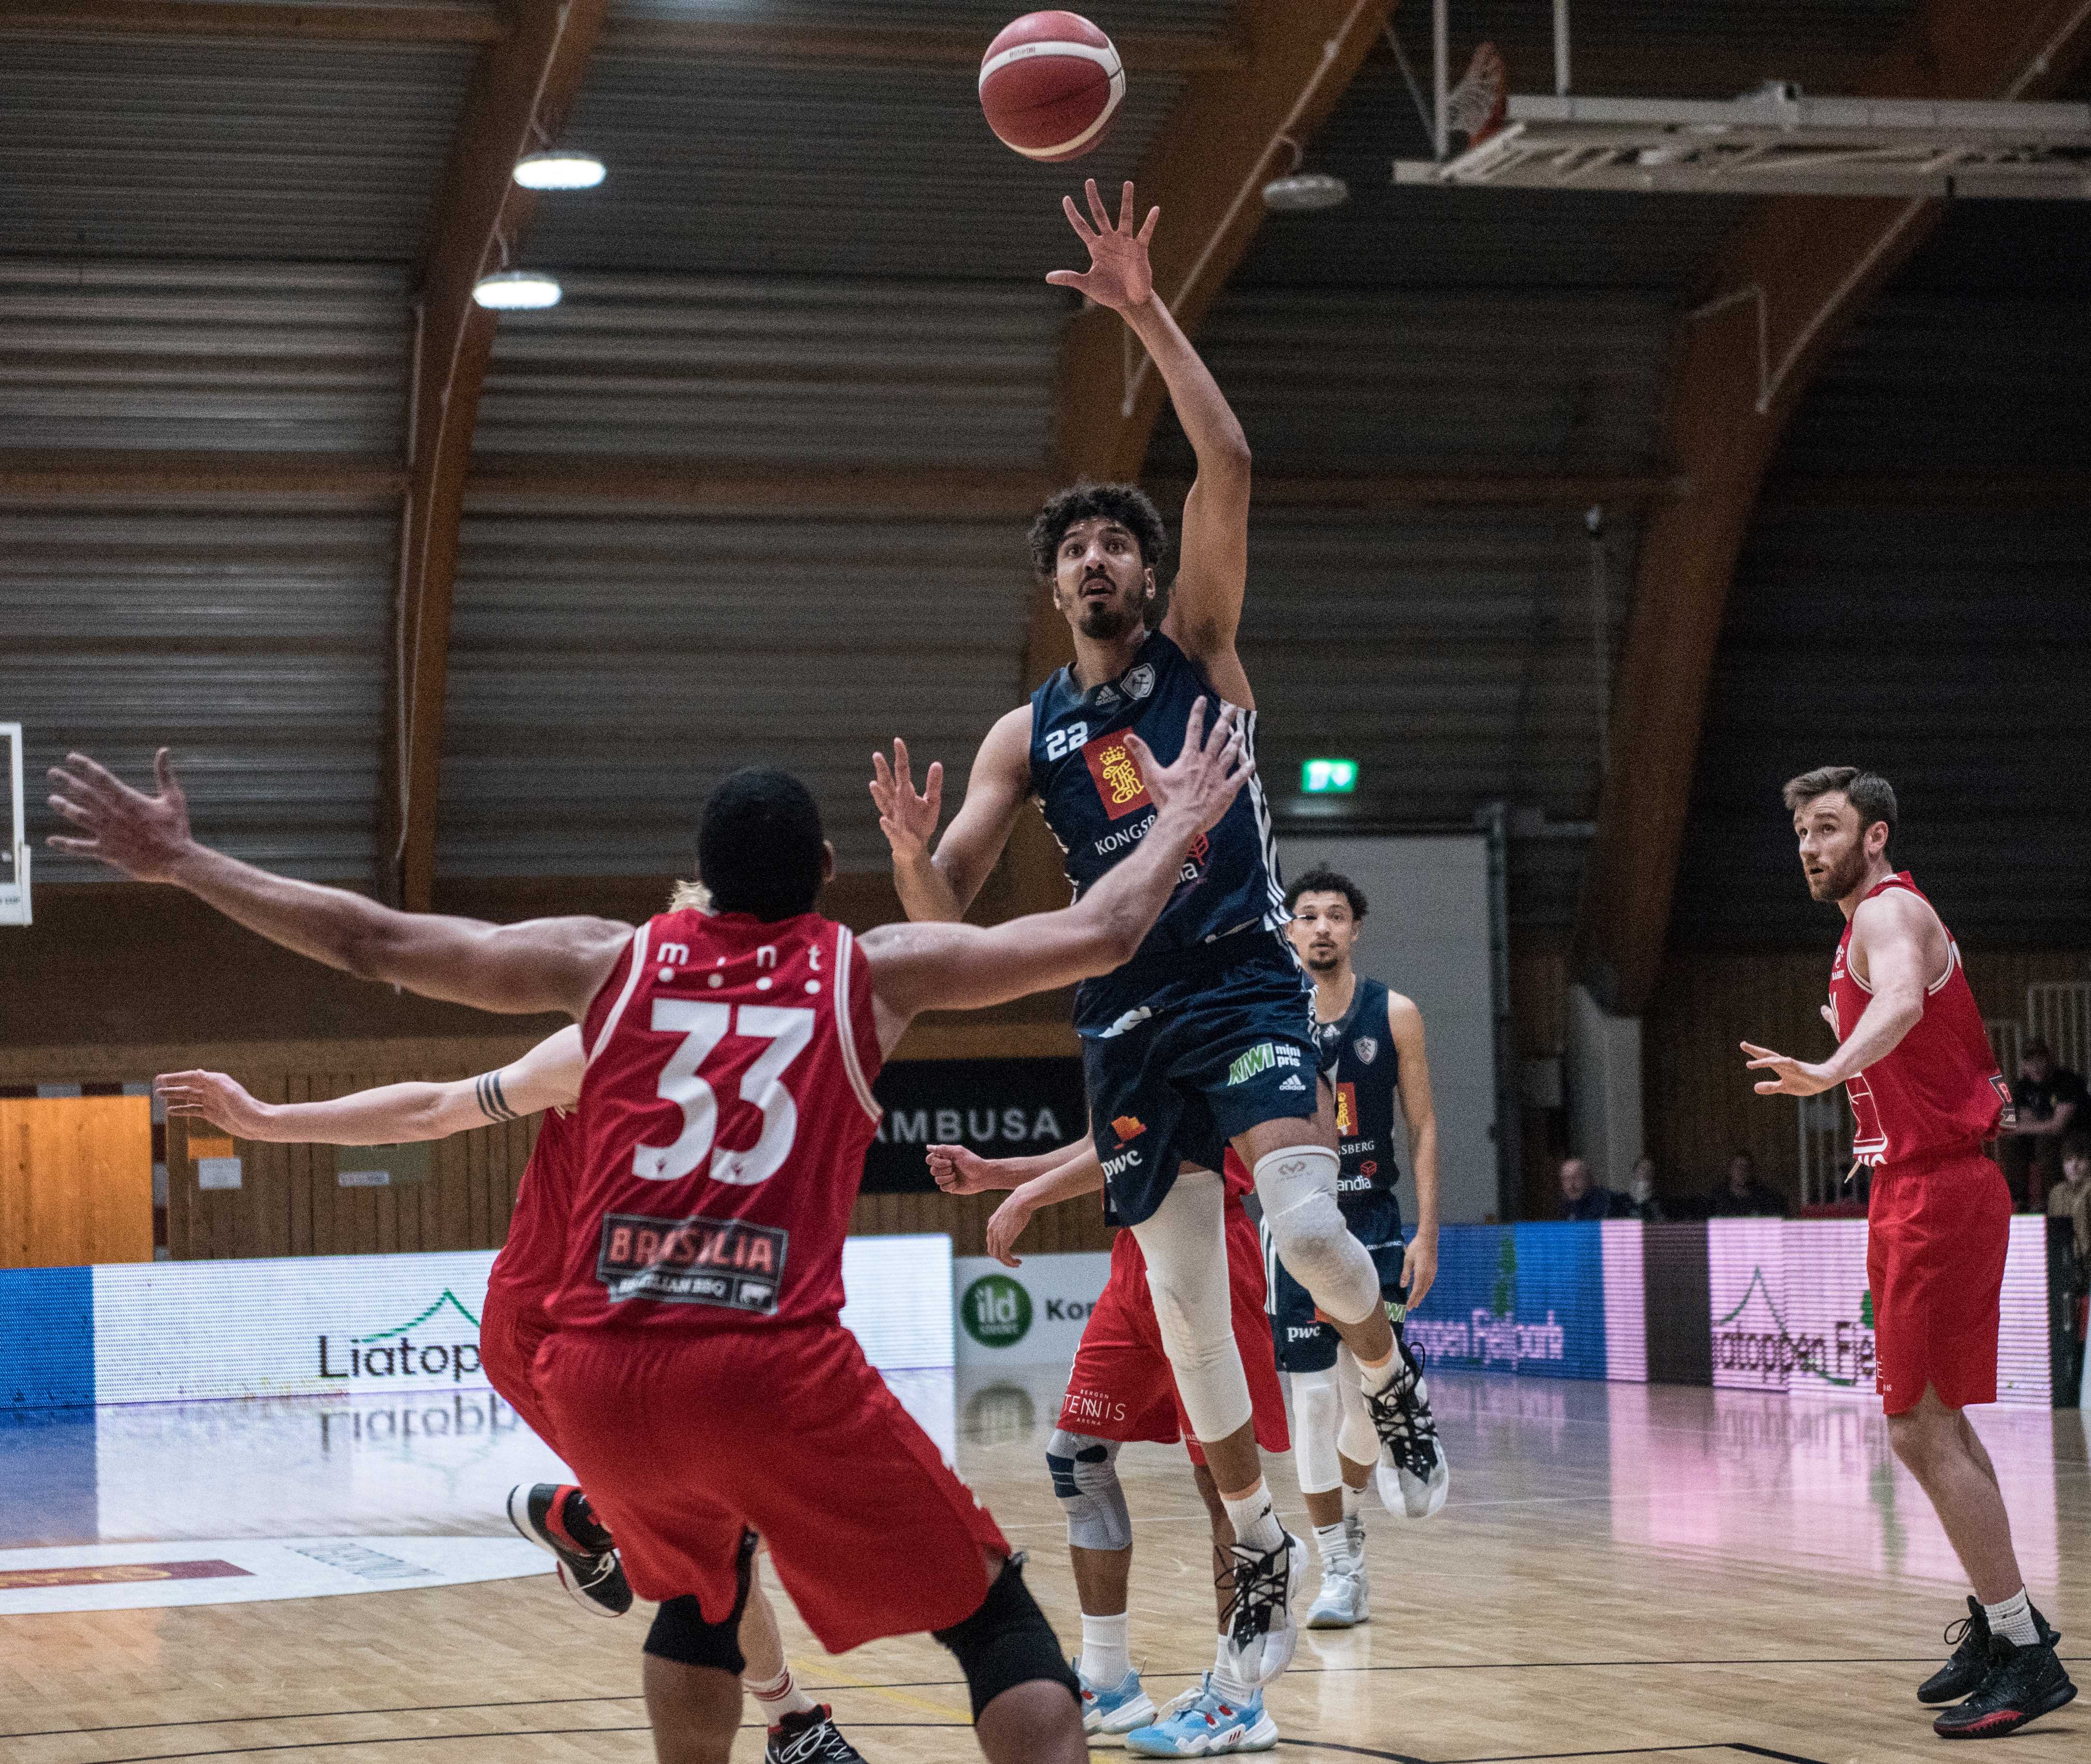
{"x": 1181, "y": 1054}
{"x": 1302, "y": 1341}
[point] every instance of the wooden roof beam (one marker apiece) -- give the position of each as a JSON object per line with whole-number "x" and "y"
{"x": 370, "y": 21}
{"x": 1783, "y": 291}
{"x": 520, "y": 94}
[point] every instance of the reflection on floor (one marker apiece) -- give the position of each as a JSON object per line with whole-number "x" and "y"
{"x": 1669, "y": 1572}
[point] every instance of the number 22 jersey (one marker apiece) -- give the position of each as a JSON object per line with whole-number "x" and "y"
{"x": 724, "y": 1116}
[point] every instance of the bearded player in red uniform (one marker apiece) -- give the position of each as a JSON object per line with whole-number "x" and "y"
{"x": 699, "y": 1376}
{"x": 1925, "y": 1093}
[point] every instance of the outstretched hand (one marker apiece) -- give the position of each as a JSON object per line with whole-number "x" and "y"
{"x": 1119, "y": 275}
{"x": 1208, "y": 774}
{"x": 957, "y": 1171}
{"x": 907, "y": 816}
{"x": 1790, "y": 1078}
{"x": 213, "y": 1097}
{"x": 144, "y": 837}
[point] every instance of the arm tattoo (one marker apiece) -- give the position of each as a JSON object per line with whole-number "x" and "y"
{"x": 492, "y": 1104}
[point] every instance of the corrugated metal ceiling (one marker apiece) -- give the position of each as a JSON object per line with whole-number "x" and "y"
{"x": 606, "y": 674}
{"x": 252, "y": 643}
{"x": 720, "y": 167}
{"x": 248, "y": 357}
{"x": 1208, "y": 18}
{"x": 224, "y": 148}
{"x": 780, "y": 372}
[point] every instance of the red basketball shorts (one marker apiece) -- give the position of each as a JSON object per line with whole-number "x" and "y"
{"x": 510, "y": 1330}
{"x": 1121, "y": 1387}
{"x": 1937, "y": 1232}
{"x": 682, "y": 1439}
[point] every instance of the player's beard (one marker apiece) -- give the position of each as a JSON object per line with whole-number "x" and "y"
{"x": 1321, "y": 964}
{"x": 1842, "y": 877}
{"x": 1107, "y": 620}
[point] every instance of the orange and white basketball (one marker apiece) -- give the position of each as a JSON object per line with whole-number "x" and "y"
{"x": 1050, "y": 84}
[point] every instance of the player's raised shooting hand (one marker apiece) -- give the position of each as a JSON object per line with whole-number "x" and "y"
{"x": 907, "y": 816}
{"x": 957, "y": 1171}
{"x": 1005, "y": 1225}
{"x": 1792, "y": 1077}
{"x": 213, "y": 1097}
{"x": 1119, "y": 275}
{"x": 1208, "y": 774}
{"x": 144, "y": 837}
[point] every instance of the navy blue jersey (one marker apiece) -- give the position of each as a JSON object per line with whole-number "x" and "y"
{"x": 1097, "y": 804}
{"x": 1361, "y": 1060}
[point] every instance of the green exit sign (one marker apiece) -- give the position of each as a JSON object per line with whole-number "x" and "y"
{"x": 1328, "y": 778}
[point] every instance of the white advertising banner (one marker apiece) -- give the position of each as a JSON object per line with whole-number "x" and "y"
{"x": 407, "y": 1326}
{"x": 1030, "y": 1315}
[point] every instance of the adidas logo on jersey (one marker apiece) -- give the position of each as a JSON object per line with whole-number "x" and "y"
{"x": 1292, "y": 1083}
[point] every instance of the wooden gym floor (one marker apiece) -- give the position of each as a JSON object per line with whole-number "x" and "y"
{"x": 1663, "y": 1574}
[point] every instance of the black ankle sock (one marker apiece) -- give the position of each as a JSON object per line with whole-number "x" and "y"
{"x": 582, "y": 1526}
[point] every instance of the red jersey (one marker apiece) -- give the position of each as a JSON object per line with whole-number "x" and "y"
{"x": 534, "y": 1256}
{"x": 1938, "y": 1088}
{"x": 723, "y": 1120}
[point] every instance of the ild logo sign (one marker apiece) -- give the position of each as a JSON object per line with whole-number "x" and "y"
{"x": 996, "y": 1311}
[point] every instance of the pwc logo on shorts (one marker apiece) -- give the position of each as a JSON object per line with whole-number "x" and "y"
{"x": 692, "y": 1261}
{"x": 1119, "y": 785}
{"x": 996, "y": 1311}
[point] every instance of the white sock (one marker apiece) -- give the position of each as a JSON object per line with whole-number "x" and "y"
{"x": 2013, "y": 1620}
{"x": 1106, "y": 1656}
{"x": 1254, "y": 1519}
{"x": 1233, "y": 1690}
{"x": 1354, "y": 1501}
{"x": 780, "y": 1697}
{"x": 1334, "y": 1543}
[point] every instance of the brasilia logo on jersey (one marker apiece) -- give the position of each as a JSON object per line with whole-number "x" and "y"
{"x": 443, "y": 1353}
{"x": 996, "y": 1311}
{"x": 1118, "y": 783}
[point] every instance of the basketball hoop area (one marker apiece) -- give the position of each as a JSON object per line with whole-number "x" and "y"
{"x": 13, "y": 845}
{"x": 1776, "y": 140}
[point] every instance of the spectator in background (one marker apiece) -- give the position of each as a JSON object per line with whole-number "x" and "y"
{"x": 1743, "y": 1196}
{"x": 1639, "y": 1200}
{"x": 1581, "y": 1199}
{"x": 2071, "y": 1198}
{"x": 2050, "y": 1099}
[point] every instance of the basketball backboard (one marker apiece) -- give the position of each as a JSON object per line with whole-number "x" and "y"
{"x": 14, "y": 842}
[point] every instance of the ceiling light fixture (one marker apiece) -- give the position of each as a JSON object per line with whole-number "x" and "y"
{"x": 516, "y": 290}
{"x": 1304, "y": 190}
{"x": 559, "y": 171}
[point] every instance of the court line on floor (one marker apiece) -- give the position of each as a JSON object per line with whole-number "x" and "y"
{"x": 1542, "y": 1757}
{"x": 495, "y": 1733}
{"x": 952, "y": 1683}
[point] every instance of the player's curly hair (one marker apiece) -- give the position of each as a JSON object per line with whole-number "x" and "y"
{"x": 1321, "y": 880}
{"x": 1126, "y": 504}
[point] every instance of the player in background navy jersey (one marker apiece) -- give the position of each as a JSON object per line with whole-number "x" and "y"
{"x": 1372, "y": 1051}
{"x": 1205, "y": 1039}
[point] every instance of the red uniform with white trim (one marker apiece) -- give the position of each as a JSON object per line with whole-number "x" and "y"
{"x": 1121, "y": 1386}
{"x": 1938, "y": 1224}
{"x": 514, "y": 1323}
{"x": 700, "y": 1378}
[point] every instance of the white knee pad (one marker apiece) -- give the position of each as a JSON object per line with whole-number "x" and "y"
{"x": 1185, "y": 1245}
{"x": 1358, "y": 1440}
{"x": 1297, "y": 1186}
{"x": 1085, "y": 1483}
{"x": 1317, "y": 1416}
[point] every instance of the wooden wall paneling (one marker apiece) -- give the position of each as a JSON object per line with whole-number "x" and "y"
{"x": 75, "y": 1181}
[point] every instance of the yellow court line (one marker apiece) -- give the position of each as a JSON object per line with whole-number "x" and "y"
{"x": 812, "y": 1670}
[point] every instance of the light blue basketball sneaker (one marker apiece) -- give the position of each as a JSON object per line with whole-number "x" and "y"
{"x": 1203, "y": 1724}
{"x": 1117, "y": 1710}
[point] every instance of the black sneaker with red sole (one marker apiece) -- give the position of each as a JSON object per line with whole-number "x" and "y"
{"x": 589, "y": 1568}
{"x": 1962, "y": 1675}
{"x": 2023, "y": 1683}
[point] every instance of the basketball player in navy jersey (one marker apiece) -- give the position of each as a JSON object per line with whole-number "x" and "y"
{"x": 1206, "y": 1038}
{"x": 1372, "y": 1050}
{"x": 697, "y": 1370}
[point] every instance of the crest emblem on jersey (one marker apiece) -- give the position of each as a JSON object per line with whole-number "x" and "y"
{"x": 1346, "y": 1109}
{"x": 1118, "y": 780}
{"x": 1366, "y": 1047}
{"x": 1140, "y": 681}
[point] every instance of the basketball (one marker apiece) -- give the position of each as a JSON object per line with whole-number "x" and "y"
{"x": 1049, "y": 85}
